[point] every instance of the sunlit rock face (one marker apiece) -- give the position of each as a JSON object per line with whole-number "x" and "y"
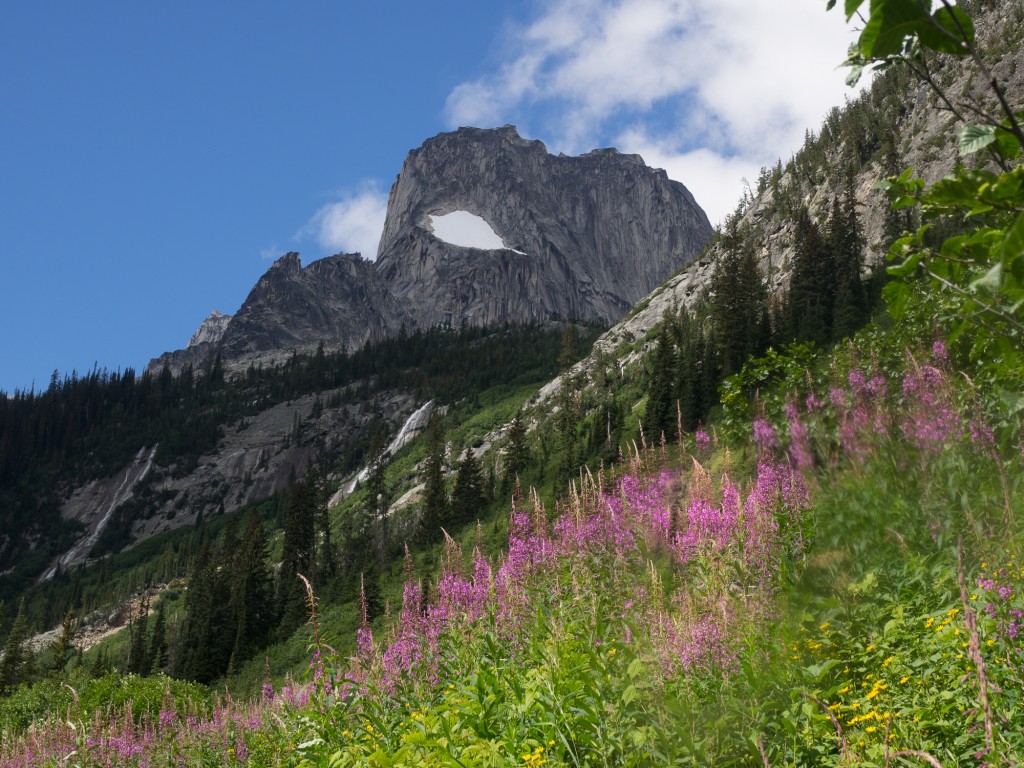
{"x": 211, "y": 330}
{"x": 483, "y": 227}
{"x": 580, "y": 237}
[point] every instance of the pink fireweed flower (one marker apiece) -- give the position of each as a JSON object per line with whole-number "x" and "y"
{"x": 877, "y": 387}
{"x": 931, "y": 420}
{"x": 814, "y": 403}
{"x": 837, "y": 397}
{"x": 858, "y": 384}
{"x": 364, "y": 643}
{"x": 168, "y": 719}
{"x": 982, "y": 436}
{"x": 800, "y": 454}
{"x": 701, "y": 440}
{"x": 765, "y": 436}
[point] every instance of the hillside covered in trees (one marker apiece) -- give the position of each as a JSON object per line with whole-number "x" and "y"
{"x": 778, "y": 525}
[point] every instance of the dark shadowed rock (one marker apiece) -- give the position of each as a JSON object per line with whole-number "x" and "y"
{"x": 587, "y": 238}
{"x": 594, "y": 233}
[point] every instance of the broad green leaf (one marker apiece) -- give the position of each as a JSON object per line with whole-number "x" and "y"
{"x": 975, "y": 137}
{"x": 1016, "y": 268}
{"x": 1013, "y": 242}
{"x": 1007, "y": 143}
{"x": 891, "y": 22}
{"x": 1013, "y": 401}
{"x": 990, "y": 281}
{"x": 907, "y": 267}
{"x": 851, "y": 7}
{"x": 636, "y": 666}
{"x": 949, "y": 30}
{"x": 817, "y": 671}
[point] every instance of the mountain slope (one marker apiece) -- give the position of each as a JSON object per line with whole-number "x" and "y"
{"x": 588, "y": 236}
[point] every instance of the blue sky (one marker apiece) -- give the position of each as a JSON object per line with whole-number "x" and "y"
{"x": 155, "y": 158}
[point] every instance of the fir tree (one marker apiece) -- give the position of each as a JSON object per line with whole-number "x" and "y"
{"x": 16, "y": 663}
{"x": 435, "y": 493}
{"x": 660, "y": 416}
{"x": 468, "y": 495}
{"x": 739, "y": 305}
{"x": 808, "y": 313}
{"x": 297, "y": 556}
{"x": 569, "y": 413}
{"x": 688, "y": 372}
{"x": 138, "y": 639}
{"x": 517, "y": 453}
{"x": 378, "y": 499}
{"x": 849, "y": 309}
{"x": 64, "y": 645}
{"x": 207, "y": 632}
{"x": 157, "y": 651}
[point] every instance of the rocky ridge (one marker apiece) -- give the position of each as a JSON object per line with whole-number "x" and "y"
{"x": 588, "y": 237}
{"x": 923, "y": 131}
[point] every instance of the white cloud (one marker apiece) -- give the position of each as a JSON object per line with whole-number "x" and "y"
{"x": 716, "y": 181}
{"x": 716, "y": 87}
{"x": 352, "y": 224}
{"x": 272, "y": 252}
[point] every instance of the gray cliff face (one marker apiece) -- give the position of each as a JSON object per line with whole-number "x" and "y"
{"x": 211, "y": 330}
{"x": 338, "y": 301}
{"x": 596, "y": 232}
{"x": 254, "y": 458}
{"x": 588, "y": 237}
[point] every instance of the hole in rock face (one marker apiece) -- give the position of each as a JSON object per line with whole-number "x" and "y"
{"x": 467, "y": 230}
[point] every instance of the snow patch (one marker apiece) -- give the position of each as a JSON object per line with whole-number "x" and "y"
{"x": 467, "y": 230}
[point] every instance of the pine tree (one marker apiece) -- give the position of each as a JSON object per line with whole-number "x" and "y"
{"x": 849, "y": 309}
{"x": 378, "y": 499}
{"x": 64, "y": 645}
{"x": 435, "y": 493}
{"x": 739, "y": 305}
{"x": 207, "y": 631}
{"x": 517, "y": 453}
{"x": 138, "y": 639}
{"x": 567, "y": 355}
{"x": 688, "y": 372}
{"x": 660, "y": 416}
{"x": 297, "y": 555}
{"x": 157, "y": 652}
{"x": 468, "y": 495}
{"x": 16, "y": 662}
{"x": 251, "y": 592}
{"x": 808, "y": 313}
{"x": 569, "y": 414}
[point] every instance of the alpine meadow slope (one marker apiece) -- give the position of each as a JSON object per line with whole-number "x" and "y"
{"x": 772, "y": 518}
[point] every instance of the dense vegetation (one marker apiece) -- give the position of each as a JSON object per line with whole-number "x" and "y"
{"x": 830, "y": 572}
{"x": 83, "y": 427}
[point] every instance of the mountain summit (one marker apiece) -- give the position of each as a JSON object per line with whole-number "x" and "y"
{"x": 582, "y": 238}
